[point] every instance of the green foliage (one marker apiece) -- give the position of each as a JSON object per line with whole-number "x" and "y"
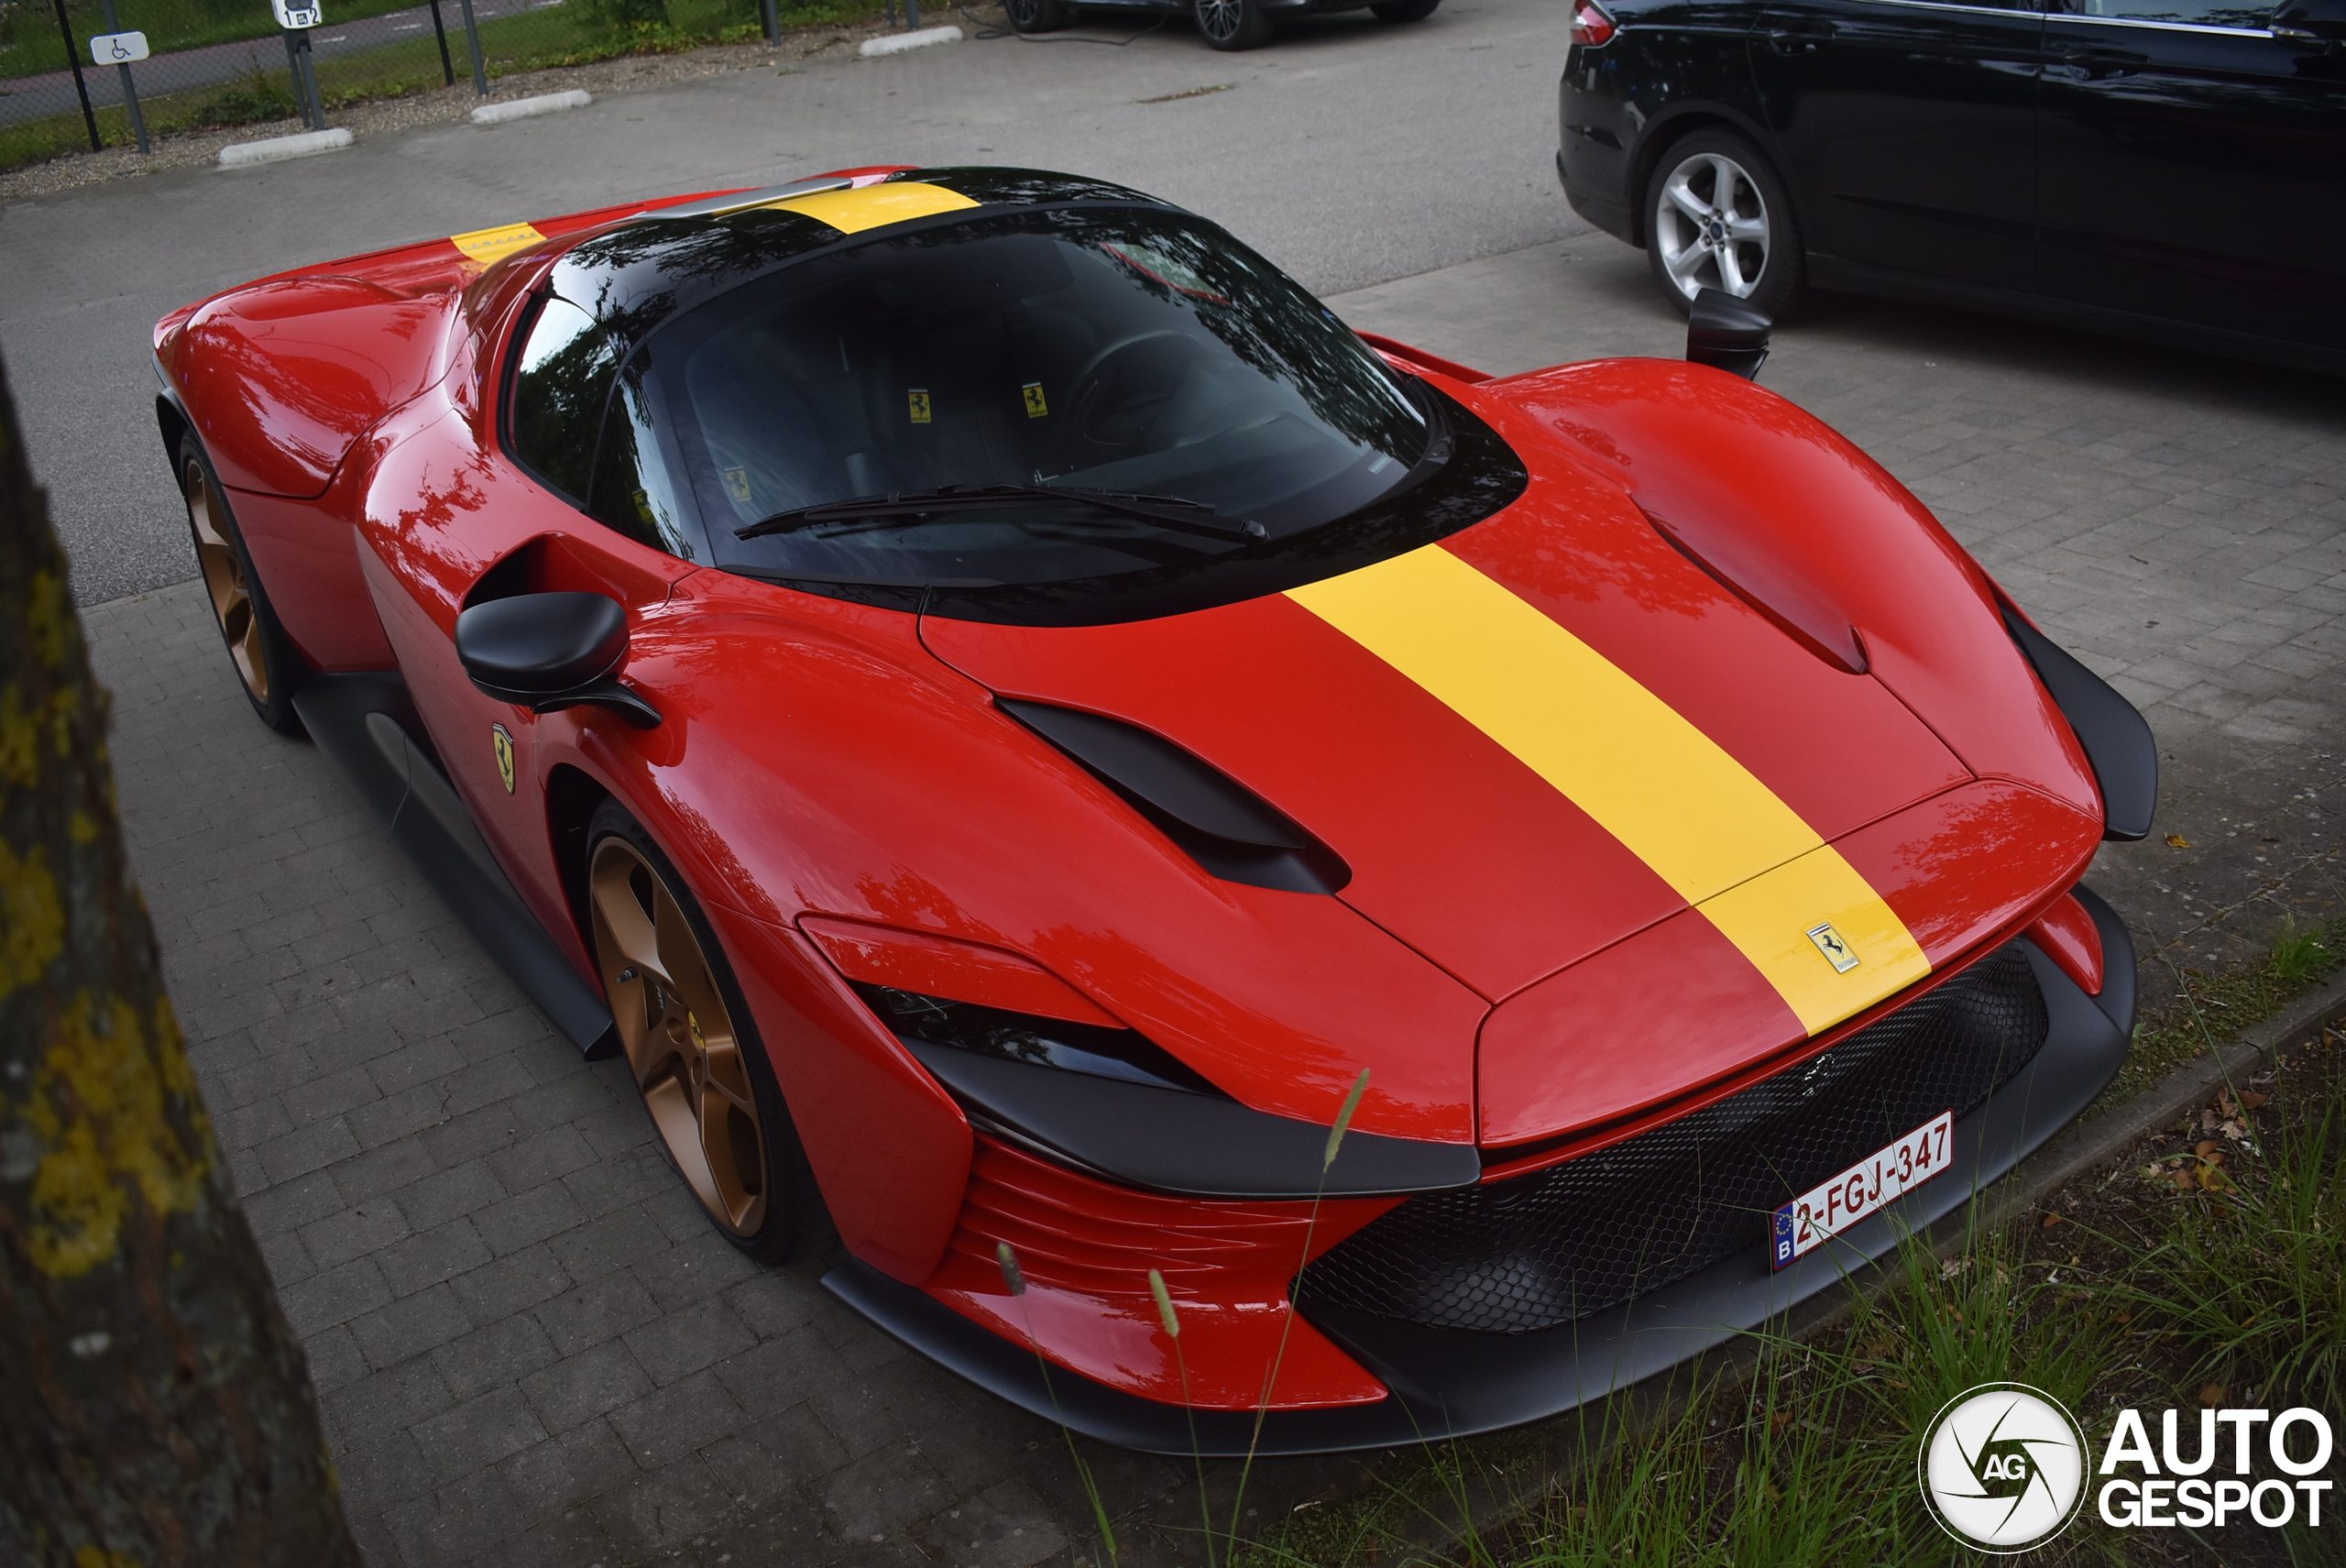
{"x": 2214, "y": 1008}
{"x": 2253, "y": 1275}
{"x": 257, "y": 96}
{"x": 628, "y": 17}
{"x": 2300, "y": 955}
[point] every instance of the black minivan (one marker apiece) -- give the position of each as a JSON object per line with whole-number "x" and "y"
{"x": 2172, "y": 169}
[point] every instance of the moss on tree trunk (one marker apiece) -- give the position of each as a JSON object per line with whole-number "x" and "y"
{"x": 155, "y": 1409}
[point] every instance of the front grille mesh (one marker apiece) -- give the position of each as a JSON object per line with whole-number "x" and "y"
{"x": 1558, "y": 1243}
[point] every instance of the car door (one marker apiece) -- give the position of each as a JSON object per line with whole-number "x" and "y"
{"x": 1908, "y": 131}
{"x": 461, "y": 516}
{"x": 2194, "y": 167}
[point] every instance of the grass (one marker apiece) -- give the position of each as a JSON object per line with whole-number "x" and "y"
{"x": 2212, "y": 1009}
{"x": 2215, "y": 1272}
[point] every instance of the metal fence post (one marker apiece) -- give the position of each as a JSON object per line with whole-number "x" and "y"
{"x": 472, "y": 37}
{"x": 770, "y": 14}
{"x": 73, "y": 59}
{"x": 912, "y": 16}
{"x": 129, "y": 89}
{"x": 310, "y": 84}
{"x": 447, "y": 69}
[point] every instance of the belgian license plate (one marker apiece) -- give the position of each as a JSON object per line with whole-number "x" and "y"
{"x": 1809, "y": 1220}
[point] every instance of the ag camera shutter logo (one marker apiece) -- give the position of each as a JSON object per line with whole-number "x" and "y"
{"x": 2003, "y": 1467}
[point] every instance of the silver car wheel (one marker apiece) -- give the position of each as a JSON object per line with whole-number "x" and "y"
{"x": 1711, "y": 226}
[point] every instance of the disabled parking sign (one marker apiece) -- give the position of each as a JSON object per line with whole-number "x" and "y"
{"x": 117, "y": 48}
{"x": 297, "y": 16}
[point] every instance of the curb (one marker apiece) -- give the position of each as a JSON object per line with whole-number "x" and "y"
{"x": 1494, "y": 1506}
{"x": 523, "y": 108}
{"x": 276, "y": 149}
{"x": 896, "y": 43}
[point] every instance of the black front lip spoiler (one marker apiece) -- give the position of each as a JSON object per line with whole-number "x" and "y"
{"x": 1450, "y": 1383}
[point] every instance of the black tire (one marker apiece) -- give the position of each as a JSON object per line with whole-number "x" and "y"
{"x": 266, "y": 665}
{"x": 1693, "y": 242}
{"x": 1037, "y": 16}
{"x": 1232, "y": 24}
{"x": 1404, "y": 10}
{"x": 773, "y": 1173}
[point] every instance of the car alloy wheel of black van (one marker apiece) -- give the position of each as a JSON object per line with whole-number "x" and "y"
{"x": 1718, "y": 217}
{"x": 1234, "y": 23}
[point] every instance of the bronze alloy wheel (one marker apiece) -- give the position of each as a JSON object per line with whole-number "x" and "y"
{"x": 679, "y": 1035}
{"x": 264, "y": 656}
{"x": 224, "y": 579}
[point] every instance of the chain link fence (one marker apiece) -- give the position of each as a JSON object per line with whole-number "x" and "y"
{"x": 216, "y": 63}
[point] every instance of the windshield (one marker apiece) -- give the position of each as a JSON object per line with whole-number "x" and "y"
{"x": 1134, "y": 390}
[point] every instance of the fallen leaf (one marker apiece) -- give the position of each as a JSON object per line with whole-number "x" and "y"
{"x": 2214, "y": 1394}
{"x": 2177, "y": 842}
{"x": 2051, "y": 1221}
{"x": 1780, "y": 1419}
{"x": 2206, "y": 1147}
{"x": 2252, "y": 1100}
{"x": 2213, "y": 1180}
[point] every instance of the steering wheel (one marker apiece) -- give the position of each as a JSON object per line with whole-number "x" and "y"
{"x": 1127, "y": 382}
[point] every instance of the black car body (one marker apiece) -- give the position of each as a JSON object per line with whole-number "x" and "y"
{"x": 2173, "y": 169}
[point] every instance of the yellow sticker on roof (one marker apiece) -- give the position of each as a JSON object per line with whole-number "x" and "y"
{"x": 485, "y": 245}
{"x": 1703, "y": 822}
{"x": 876, "y": 206}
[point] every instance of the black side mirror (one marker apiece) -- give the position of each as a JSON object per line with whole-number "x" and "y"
{"x": 1728, "y": 334}
{"x": 546, "y": 652}
{"x": 2310, "y": 21}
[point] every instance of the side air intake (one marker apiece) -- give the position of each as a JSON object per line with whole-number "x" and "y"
{"x": 1224, "y": 826}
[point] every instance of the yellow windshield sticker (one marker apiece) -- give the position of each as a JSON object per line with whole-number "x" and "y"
{"x": 485, "y": 245}
{"x": 1677, "y": 799}
{"x": 875, "y": 206}
{"x": 1035, "y": 407}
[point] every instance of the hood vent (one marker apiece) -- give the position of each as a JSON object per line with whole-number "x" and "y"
{"x": 1218, "y": 822}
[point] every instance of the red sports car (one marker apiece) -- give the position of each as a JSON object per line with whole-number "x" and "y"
{"x": 1021, "y": 726}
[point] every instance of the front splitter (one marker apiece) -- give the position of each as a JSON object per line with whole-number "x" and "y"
{"x": 1452, "y": 1383}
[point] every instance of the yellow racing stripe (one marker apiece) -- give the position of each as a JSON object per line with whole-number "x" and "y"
{"x": 485, "y": 245}
{"x": 874, "y": 206}
{"x": 1702, "y": 820}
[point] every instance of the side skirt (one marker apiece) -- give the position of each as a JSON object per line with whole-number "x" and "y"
{"x": 1450, "y": 1383}
{"x": 367, "y": 728}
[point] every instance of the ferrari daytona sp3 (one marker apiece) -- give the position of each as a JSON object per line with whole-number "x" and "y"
{"x": 1038, "y": 743}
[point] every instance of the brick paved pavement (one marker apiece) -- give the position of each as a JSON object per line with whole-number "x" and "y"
{"x": 531, "y": 1348}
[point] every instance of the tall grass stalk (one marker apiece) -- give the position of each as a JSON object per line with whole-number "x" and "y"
{"x": 1015, "y": 1278}
{"x": 1286, "y": 1326}
{"x": 1172, "y": 1321}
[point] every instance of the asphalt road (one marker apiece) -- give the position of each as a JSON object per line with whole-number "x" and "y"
{"x": 1352, "y": 152}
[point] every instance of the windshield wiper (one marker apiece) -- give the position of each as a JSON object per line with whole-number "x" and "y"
{"x": 1171, "y": 511}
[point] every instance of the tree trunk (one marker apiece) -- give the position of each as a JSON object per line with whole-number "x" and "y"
{"x": 154, "y": 1408}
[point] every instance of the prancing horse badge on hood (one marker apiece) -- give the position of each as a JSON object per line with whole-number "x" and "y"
{"x": 1843, "y": 957}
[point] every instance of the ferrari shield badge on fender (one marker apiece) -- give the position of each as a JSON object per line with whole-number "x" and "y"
{"x": 500, "y": 740}
{"x": 1839, "y": 953}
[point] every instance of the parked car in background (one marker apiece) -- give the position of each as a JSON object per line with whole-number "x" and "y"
{"x": 1223, "y": 24}
{"x": 2170, "y": 169}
